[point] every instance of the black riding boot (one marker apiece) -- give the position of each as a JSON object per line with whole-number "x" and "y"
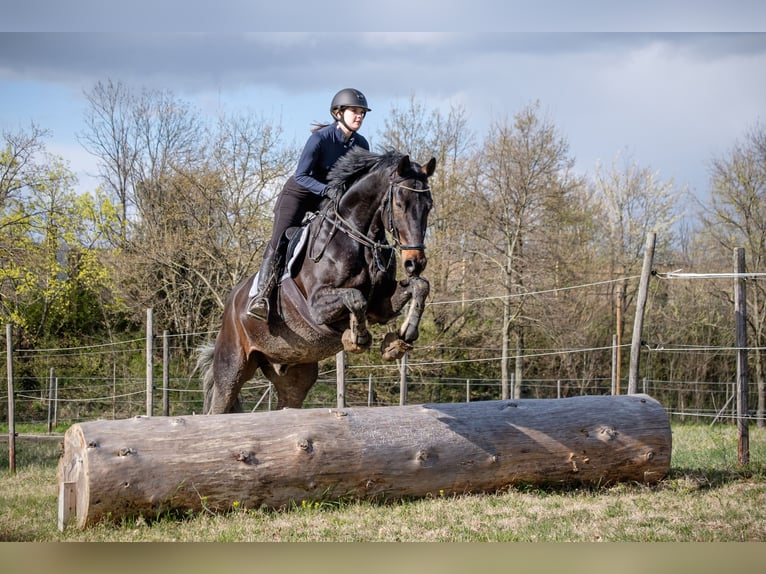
{"x": 258, "y": 305}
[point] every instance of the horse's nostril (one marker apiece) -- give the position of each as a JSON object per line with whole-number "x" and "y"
{"x": 413, "y": 266}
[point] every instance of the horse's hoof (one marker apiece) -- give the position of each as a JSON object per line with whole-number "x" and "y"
{"x": 356, "y": 343}
{"x": 393, "y": 347}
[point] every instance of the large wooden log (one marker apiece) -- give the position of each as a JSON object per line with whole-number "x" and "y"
{"x": 148, "y": 465}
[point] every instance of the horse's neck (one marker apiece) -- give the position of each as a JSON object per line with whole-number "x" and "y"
{"x": 361, "y": 206}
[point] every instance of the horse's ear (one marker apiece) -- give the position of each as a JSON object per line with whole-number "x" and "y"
{"x": 430, "y": 167}
{"x": 404, "y": 165}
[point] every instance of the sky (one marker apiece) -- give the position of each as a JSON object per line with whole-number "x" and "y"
{"x": 668, "y": 86}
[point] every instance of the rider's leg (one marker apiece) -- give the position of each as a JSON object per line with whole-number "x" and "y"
{"x": 292, "y": 204}
{"x": 258, "y": 305}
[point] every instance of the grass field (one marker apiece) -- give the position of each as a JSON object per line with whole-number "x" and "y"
{"x": 706, "y": 497}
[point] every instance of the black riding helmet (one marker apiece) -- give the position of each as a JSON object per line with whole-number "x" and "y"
{"x": 348, "y": 98}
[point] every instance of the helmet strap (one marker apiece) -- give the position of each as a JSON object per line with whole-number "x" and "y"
{"x": 342, "y": 121}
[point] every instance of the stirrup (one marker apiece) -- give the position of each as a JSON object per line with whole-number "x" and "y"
{"x": 259, "y": 309}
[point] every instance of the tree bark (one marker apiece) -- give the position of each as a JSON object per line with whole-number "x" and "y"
{"x": 148, "y": 466}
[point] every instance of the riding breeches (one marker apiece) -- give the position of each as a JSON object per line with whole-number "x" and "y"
{"x": 292, "y": 204}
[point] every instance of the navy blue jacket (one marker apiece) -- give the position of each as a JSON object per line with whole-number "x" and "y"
{"x": 320, "y": 153}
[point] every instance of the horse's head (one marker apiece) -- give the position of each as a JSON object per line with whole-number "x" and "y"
{"x": 408, "y": 206}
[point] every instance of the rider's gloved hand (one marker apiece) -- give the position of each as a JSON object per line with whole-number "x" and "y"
{"x": 332, "y": 191}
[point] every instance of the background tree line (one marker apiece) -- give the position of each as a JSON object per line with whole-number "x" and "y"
{"x": 183, "y": 212}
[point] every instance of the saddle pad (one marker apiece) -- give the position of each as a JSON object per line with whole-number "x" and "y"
{"x": 296, "y": 244}
{"x": 295, "y": 250}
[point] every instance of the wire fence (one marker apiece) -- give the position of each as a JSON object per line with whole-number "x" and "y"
{"x": 59, "y": 387}
{"x": 118, "y": 379}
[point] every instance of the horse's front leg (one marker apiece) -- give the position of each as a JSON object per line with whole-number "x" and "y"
{"x": 419, "y": 289}
{"x": 415, "y": 290}
{"x": 331, "y": 304}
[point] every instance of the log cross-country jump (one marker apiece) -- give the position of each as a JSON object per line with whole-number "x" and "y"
{"x": 154, "y": 465}
{"x": 342, "y": 279}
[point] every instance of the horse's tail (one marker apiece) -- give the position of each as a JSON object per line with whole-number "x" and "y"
{"x": 205, "y": 366}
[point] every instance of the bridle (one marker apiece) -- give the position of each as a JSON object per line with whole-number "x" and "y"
{"x": 388, "y": 205}
{"x": 376, "y": 247}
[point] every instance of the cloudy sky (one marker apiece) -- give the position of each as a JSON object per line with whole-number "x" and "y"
{"x": 669, "y": 85}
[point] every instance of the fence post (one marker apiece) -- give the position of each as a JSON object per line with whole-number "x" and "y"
{"x": 370, "y": 392}
{"x": 638, "y": 322}
{"x": 740, "y": 318}
{"x": 149, "y": 366}
{"x": 50, "y": 401}
{"x": 614, "y": 364}
{"x": 55, "y": 402}
{"x": 165, "y": 374}
{"x": 11, "y": 413}
{"x": 468, "y": 390}
{"x": 403, "y": 381}
{"x": 618, "y": 329}
{"x": 114, "y": 388}
{"x": 340, "y": 370}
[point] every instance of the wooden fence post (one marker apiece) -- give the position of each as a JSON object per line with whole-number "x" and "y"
{"x": 740, "y": 319}
{"x": 55, "y": 402}
{"x": 614, "y": 364}
{"x": 11, "y": 401}
{"x": 403, "y": 381}
{"x": 149, "y": 365}
{"x": 618, "y": 329}
{"x": 370, "y": 391}
{"x": 638, "y": 322}
{"x": 165, "y": 374}
{"x": 50, "y": 400}
{"x": 340, "y": 369}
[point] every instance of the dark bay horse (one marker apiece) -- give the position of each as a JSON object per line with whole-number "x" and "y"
{"x": 344, "y": 279}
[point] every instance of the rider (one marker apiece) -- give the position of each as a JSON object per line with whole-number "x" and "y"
{"x": 303, "y": 191}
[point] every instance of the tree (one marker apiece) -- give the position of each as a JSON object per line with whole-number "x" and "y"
{"x": 111, "y": 137}
{"x": 424, "y": 133}
{"x": 524, "y": 185}
{"x": 195, "y": 199}
{"x": 631, "y": 201}
{"x": 53, "y": 284}
{"x": 251, "y": 163}
{"x": 737, "y": 218}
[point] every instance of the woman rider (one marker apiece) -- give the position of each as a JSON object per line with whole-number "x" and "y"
{"x": 303, "y": 191}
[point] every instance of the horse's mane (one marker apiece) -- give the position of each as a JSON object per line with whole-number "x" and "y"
{"x": 357, "y": 162}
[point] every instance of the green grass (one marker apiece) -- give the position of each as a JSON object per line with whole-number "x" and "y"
{"x": 707, "y": 496}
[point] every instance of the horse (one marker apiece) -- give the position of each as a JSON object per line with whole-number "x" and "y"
{"x": 341, "y": 279}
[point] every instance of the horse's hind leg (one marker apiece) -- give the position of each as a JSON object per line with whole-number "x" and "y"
{"x": 231, "y": 370}
{"x": 292, "y": 386}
